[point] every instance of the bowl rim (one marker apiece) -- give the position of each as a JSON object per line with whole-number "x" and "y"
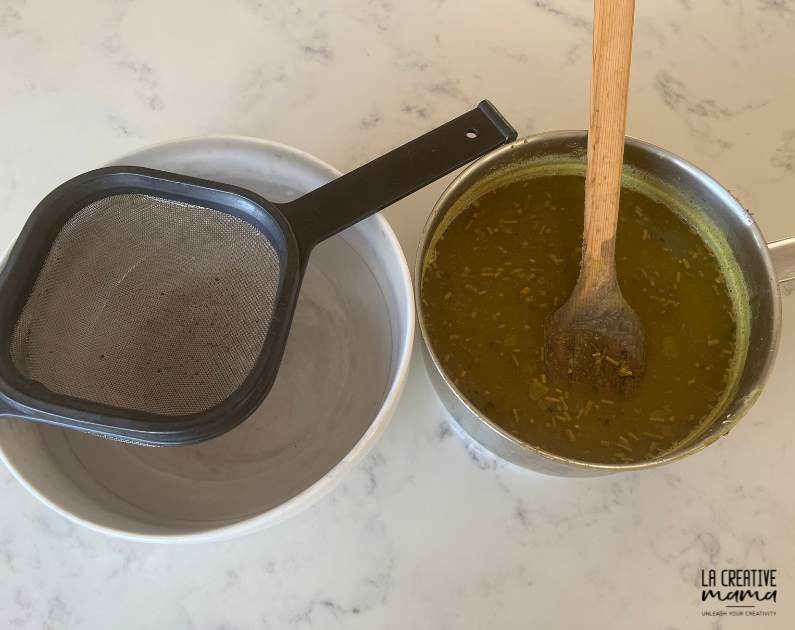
{"x": 313, "y": 493}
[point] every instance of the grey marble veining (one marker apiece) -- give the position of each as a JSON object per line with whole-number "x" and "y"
{"x": 430, "y": 531}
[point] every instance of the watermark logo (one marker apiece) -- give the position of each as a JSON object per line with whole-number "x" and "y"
{"x": 739, "y": 592}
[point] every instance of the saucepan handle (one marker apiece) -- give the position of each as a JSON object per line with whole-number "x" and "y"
{"x": 374, "y": 186}
{"x": 783, "y": 255}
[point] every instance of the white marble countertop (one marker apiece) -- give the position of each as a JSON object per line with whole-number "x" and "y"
{"x": 429, "y": 532}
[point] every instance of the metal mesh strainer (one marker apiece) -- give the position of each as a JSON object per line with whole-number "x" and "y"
{"x": 148, "y": 304}
{"x": 152, "y": 307}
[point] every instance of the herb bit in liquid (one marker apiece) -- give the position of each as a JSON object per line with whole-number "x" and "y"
{"x": 512, "y": 257}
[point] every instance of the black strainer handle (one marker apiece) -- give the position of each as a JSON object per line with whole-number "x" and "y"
{"x": 380, "y": 183}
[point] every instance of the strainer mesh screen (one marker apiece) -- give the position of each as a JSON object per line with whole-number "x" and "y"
{"x": 149, "y": 304}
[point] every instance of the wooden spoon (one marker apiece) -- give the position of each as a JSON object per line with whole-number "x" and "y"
{"x": 596, "y": 336}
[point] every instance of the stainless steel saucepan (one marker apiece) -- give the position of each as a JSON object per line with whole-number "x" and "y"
{"x": 761, "y": 268}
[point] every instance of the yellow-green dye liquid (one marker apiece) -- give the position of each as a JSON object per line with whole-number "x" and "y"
{"x": 511, "y": 257}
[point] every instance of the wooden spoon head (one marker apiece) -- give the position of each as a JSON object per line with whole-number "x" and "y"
{"x": 595, "y": 337}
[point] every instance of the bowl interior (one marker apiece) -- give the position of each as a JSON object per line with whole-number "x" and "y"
{"x": 344, "y": 353}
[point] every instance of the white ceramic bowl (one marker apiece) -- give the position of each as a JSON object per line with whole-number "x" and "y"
{"x": 344, "y": 368}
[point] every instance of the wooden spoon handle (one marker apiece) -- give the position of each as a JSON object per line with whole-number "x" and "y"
{"x": 612, "y": 51}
